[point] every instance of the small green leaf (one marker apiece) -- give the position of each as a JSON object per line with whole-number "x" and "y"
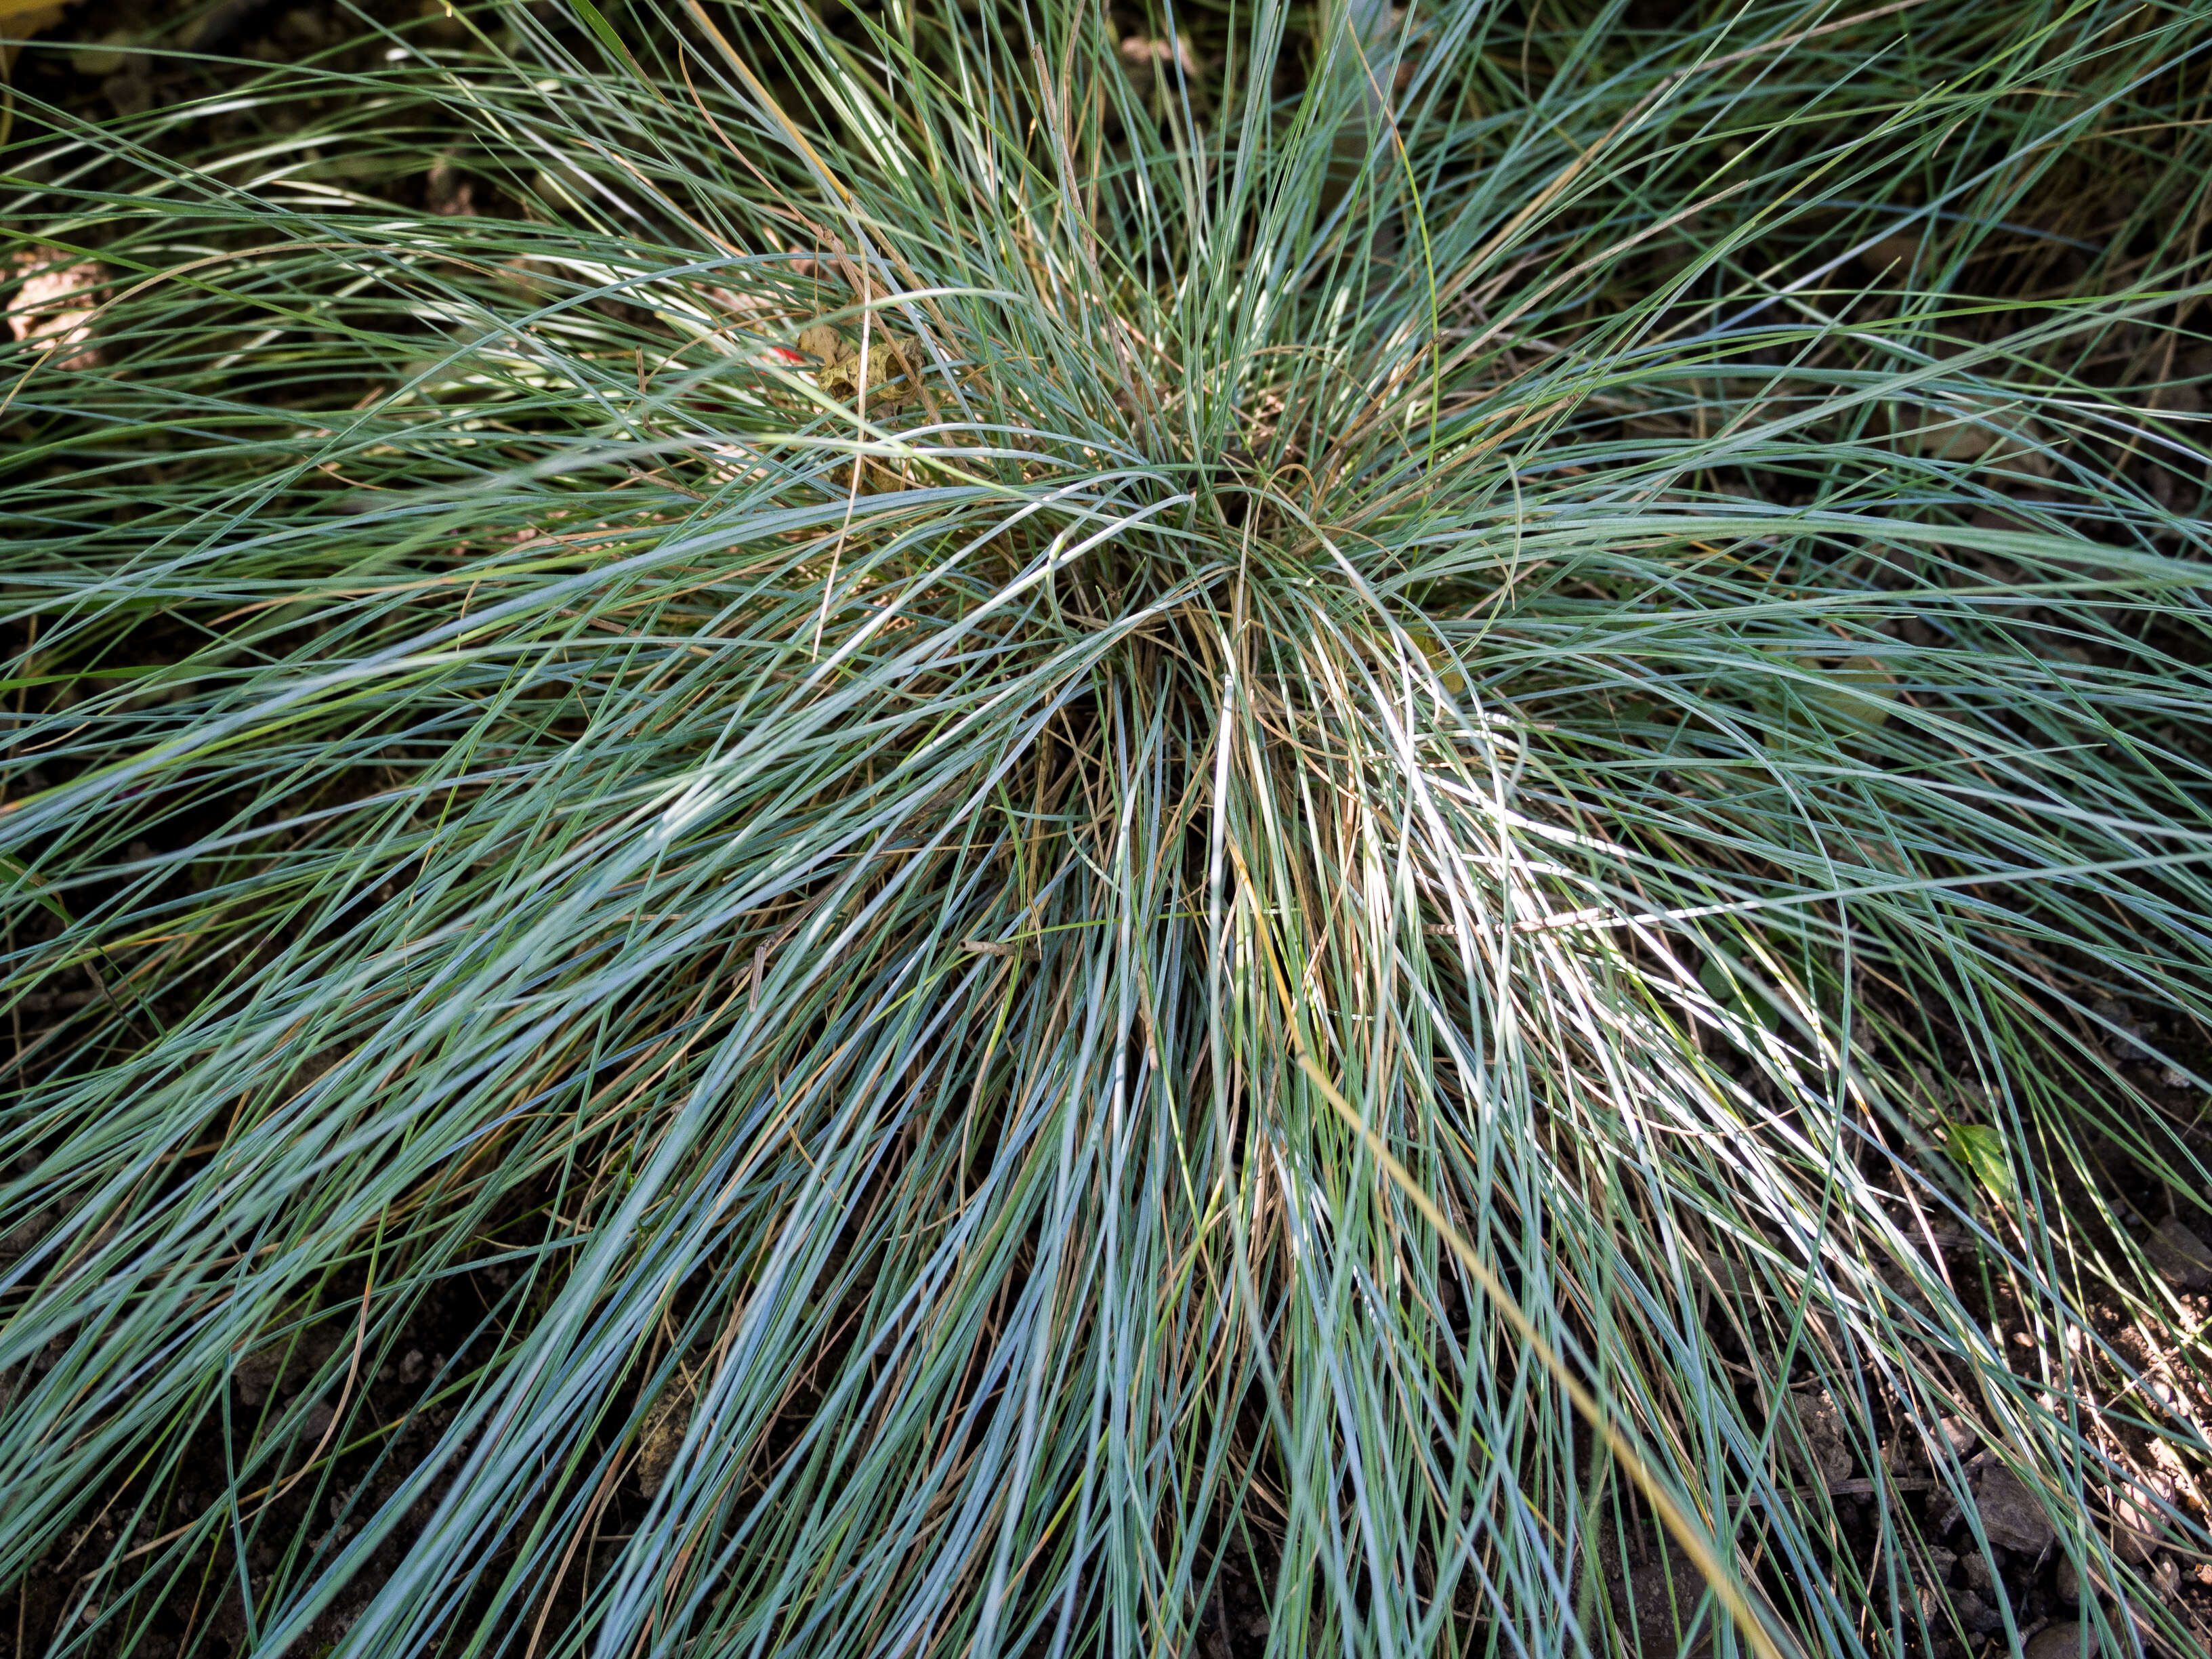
{"x": 137, "y": 671}
{"x": 1735, "y": 995}
{"x": 1848, "y": 701}
{"x": 1857, "y": 691}
{"x": 17, "y": 868}
{"x": 1981, "y": 1150}
{"x": 1439, "y": 657}
{"x": 600, "y": 25}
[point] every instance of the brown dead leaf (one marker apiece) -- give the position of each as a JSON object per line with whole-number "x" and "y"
{"x": 891, "y": 382}
{"x": 664, "y": 1434}
{"x": 1144, "y": 57}
{"x": 21, "y": 19}
{"x": 53, "y": 308}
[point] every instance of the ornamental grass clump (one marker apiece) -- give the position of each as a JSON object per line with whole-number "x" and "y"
{"x": 1009, "y": 830}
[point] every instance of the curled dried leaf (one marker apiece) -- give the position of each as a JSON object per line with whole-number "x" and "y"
{"x": 52, "y": 310}
{"x": 1144, "y": 56}
{"x": 890, "y": 379}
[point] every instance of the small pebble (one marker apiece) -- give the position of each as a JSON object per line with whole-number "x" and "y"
{"x": 1976, "y": 1567}
{"x": 2069, "y": 1580}
{"x": 2068, "y": 1641}
{"x": 2181, "y": 1258}
{"x": 2136, "y": 1525}
{"x": 103, "y": 56}
{"x": 1976, "y": 1614}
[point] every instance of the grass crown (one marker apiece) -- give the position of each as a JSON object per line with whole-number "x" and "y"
{"x": 1365, "y": 831}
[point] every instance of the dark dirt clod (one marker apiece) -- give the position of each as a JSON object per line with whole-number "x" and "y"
{"x": 1656, "y": 1591}
{"x": 1826, "y": 1455}
{"x": 2010, "y": 1515}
